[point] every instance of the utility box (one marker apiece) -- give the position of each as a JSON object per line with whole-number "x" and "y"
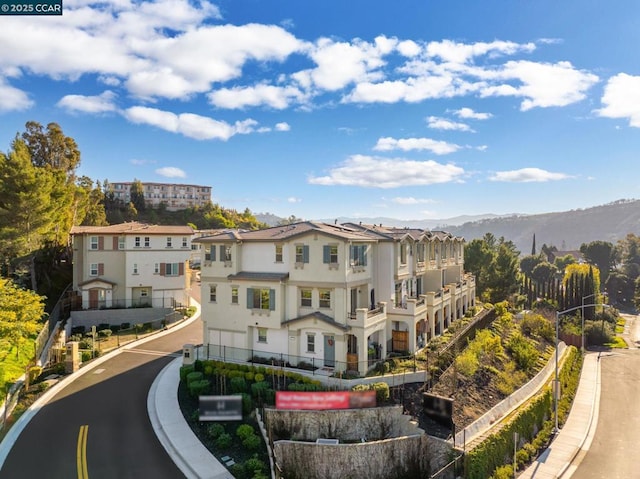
{"x": 72, "y": 359}
{"x": 188, "y": 354}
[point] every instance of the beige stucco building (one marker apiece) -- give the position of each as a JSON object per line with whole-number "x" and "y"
{"x": 174, "y": 196}
{"x": 335, "y": 296}
{"x": 131, "y": 264}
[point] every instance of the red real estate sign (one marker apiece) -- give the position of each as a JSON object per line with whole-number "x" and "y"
{"x": 325, "y": 400}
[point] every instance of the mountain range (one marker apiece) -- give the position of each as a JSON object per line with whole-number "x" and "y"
{"x": 565, "y": 230}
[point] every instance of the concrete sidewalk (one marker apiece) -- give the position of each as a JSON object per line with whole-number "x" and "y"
{"x": 577, "y": 433}
{"x": 183, "y": 446}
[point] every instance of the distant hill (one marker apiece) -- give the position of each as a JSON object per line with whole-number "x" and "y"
{"x": 566, "y": 230}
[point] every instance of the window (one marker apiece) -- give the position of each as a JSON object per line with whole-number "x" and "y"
{"x": 278, "y": 253}
{"x": 172, "y": 269}
{"x": 325, "y": 298}
{"x": 311, "y": 343}
{"x": 263, "y": 299}
{"x": 234, "y": 295}
{"x": 137, "y": 242}
{"x": 225, "y": 253}
{"x": 93, "y": 269}
{"x": 121, "y": 242}
{"x": 93, "y": 242}
{"x": 358, "y": 255}
{"x": 169, "y": 242}
{"x": 302, "y": 253}
{"x": 403, "y": 253}
{"x": 185, "y": 242}
{"x": 305, "y": 298}
{"x": 330, "y": 254}
{"x": 135, "y": 268}
{"x": 144, "y": 293}
{"x": 262, "y": 335}
{"x": 212, "y": 293}
{"x": 156, "y": 268}
{"x": 420, "y": 252}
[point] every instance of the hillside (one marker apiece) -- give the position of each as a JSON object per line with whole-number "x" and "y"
{"x": 565, "y": 230}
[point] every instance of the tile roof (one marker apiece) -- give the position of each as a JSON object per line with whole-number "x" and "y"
{"x": 321, "y": 317}
{"x": 133, "y": 228}
{"x": 258, "y": 276}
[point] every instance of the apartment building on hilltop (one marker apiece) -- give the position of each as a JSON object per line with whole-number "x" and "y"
{"x": 336, "y": 296}
{"x": 131, "y": 264}
{"x": 174, "y": 196}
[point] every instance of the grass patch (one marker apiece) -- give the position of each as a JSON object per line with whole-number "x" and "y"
{"x": 15, "y": 367}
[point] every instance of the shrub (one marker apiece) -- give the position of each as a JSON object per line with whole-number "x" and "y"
{"x": 523, "y": 351}
{"x": 125, "y": 326}
{"x": 238, "y": 384}
{"x": 34, "y": 373}
{"x": 184, "y": 370}
{"x": 197, "y": 365}
{"x": 102, "y": 326}
{"x": 258, "y": 390}
{"x": 252, "y": 442}
{"x": 197, "y": 388}
{"x": 259, "y": 377}
{"x": 249, "y": 376}
{"x": 224, "y": 441}
{"x": 114, "y": 328}
{"x": 78, "y": 330}
{"x": 194, "y": 376}
{"x": 86, "y": 356}
{"x": 215, "y": 430}
{"x": 105, "y": 333}
{"x": 247, "y": 404}
{"x": 382, "y": 391}
{"x": 254, "y": 464}
{"x": 467, "y": 363}
{"x": 244, "y": 431}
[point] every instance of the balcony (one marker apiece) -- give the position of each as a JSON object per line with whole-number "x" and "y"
{"x": 410, "y": 307}
{"x": 363, "y": 317}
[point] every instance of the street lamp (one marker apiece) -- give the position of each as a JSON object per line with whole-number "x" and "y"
{"x": 556, "y": 381}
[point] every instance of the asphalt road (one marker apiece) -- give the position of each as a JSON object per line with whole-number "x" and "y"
{"x": 613, "y": 453}
{"x": 98, "y": 425}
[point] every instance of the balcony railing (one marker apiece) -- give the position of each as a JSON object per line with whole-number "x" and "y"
{"x": 363, "y": 317}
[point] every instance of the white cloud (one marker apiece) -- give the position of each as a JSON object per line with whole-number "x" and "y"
{"x": 139, "y": 162}
{"x": 102, "y": 103}
{"x": 468, "y": 113}
{"x": 171, "y": 172}
{"x": 241, "y": 97}
{"x": 409, "y": 200}
{"x": 12, "y": 98}
{"x": 188, "y": 124}
{"x": 373, "y": 172}
{"x": 407, "y": 144}
{"x": 543, "y": 84}
{"x": 621, "y": 99}
{"x": 438, "y": 123}
{"x": 293, "y": 199}
{"x": 409, "y": 48}
{"x": 454, "y": 52}
{"x": 283, "y": 126}
{"x": 528, "y": 175}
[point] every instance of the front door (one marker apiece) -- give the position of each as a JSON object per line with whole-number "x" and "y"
{"x": 93, "y": 298}
{"x": 329, "y": 351}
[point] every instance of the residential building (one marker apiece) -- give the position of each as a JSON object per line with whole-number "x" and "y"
{"x": 174, "y": 196}
{"x": 131, "y": 264}
{"x": 336, "y": 296}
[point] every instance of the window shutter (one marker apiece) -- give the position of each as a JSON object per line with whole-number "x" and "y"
{"x": 213, "y": 253}
{"x": 364, "y": 256}
{"x": 249, "y": 298}
{"x": 115, "y": 242}
{"x": 163, "y": 271}
{"x": 305, "y": 254}
{"x": 100, "y": 242}
{"x": 222, "y": 252}
{"x": 100, "y": 269}
{"x": 180, "y": 269}
{"x": 325, "y": 253}
{"x": 272, "y": 300}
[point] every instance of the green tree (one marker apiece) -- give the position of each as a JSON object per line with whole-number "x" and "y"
{"x": 502, "y": 277}
{"x": 137, "y": 195}
{"x": 528, "y": 263}
{"x": 600, "y": 254}
{"x": 25, "y": 203}
{"x": 20, "y": 313}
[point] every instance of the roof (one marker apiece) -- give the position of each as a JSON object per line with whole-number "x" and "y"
{"x": 291, "y": 231}
{"x": 133, "y": 227}
{"x": 97, "y": 280}
{"x": 256, "y": 276}
{"x": 399, "y": 233}
{"x": 321, "y": 317}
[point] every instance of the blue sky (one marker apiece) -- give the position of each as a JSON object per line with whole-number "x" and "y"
{"x": 412, "y": 110}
